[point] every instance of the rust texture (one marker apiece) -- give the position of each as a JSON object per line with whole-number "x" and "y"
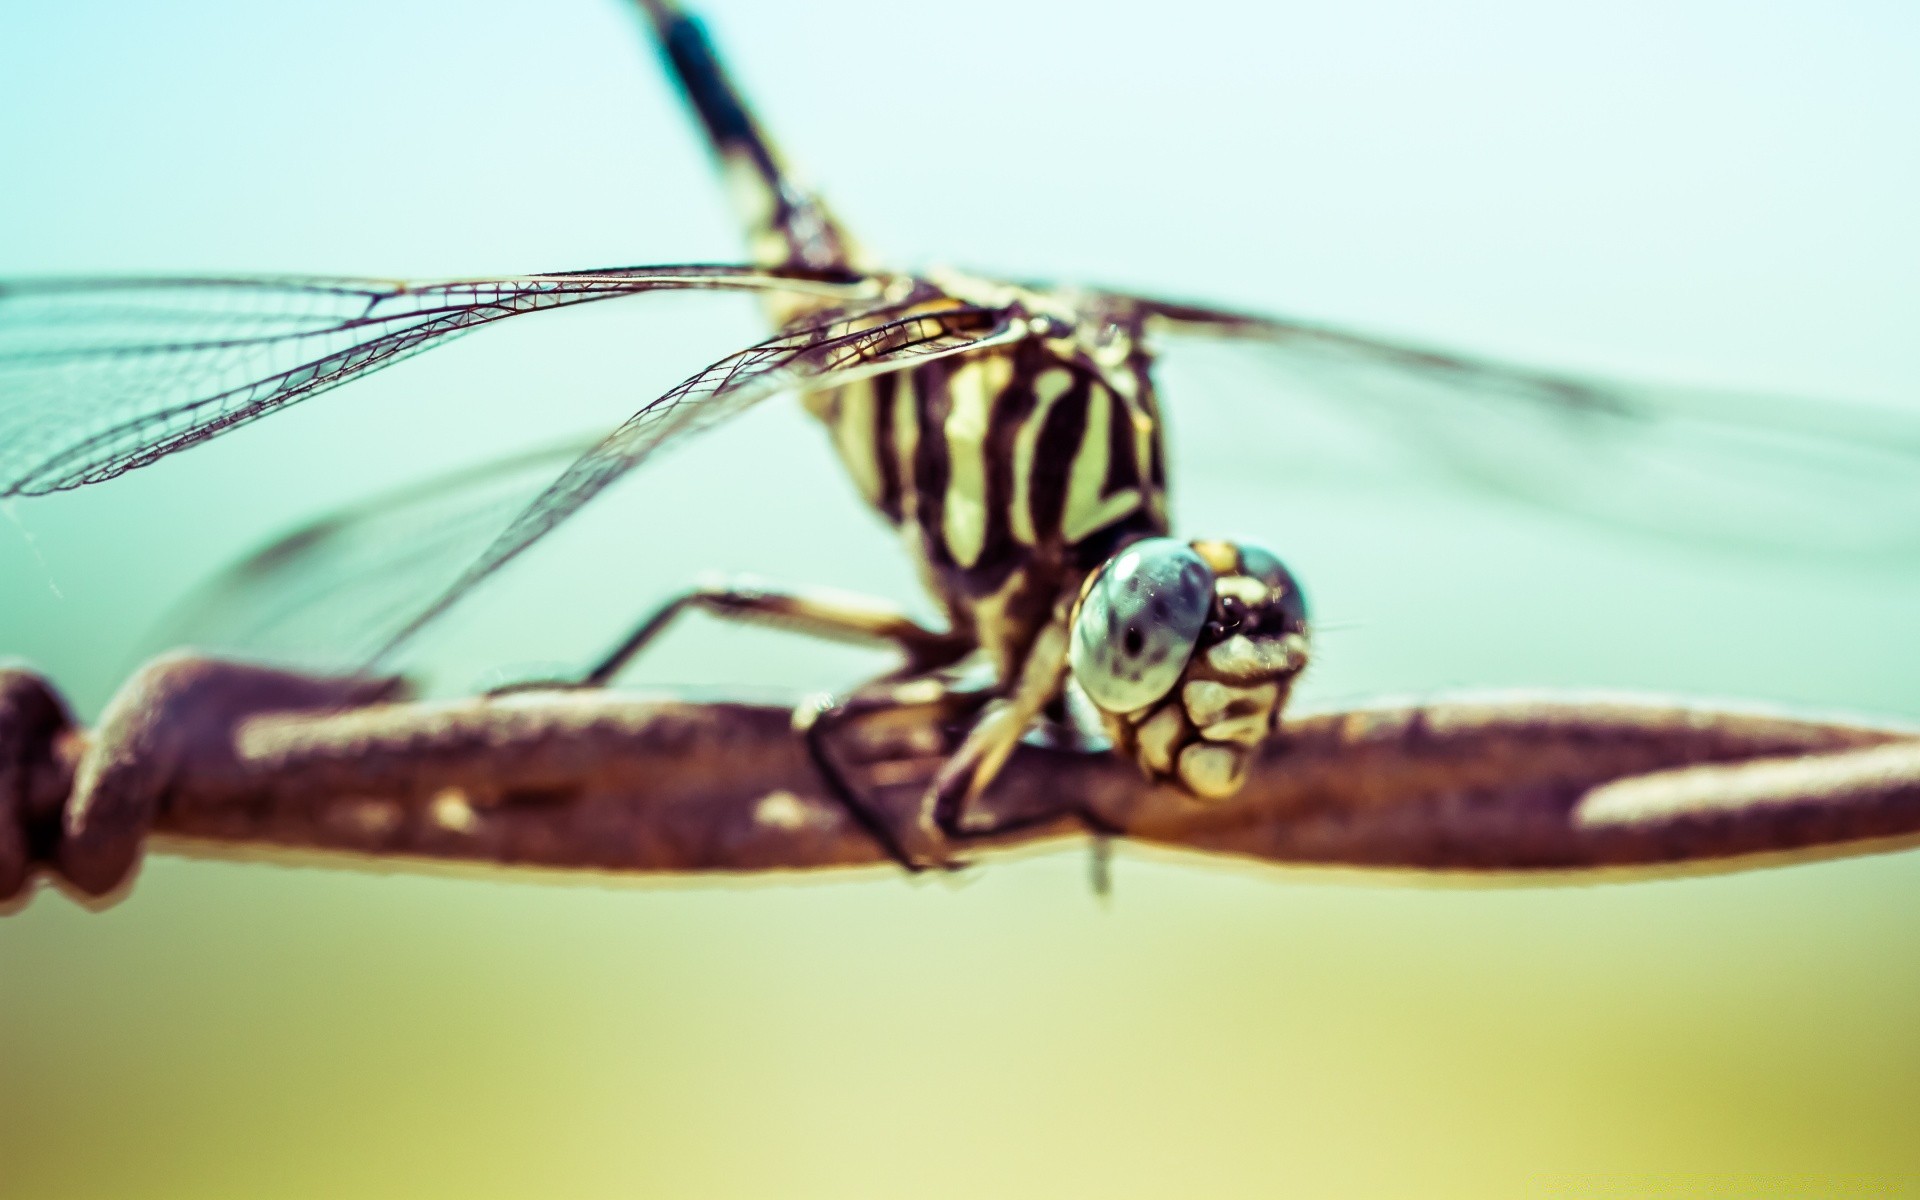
{"x": 221, "y": 753}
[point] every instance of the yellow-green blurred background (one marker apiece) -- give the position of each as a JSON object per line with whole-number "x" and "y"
{"x": 1716, "y": 192}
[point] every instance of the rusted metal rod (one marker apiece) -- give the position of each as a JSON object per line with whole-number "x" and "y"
{"x": 207, "y": 752}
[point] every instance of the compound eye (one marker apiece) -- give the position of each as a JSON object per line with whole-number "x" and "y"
{"x": 1139, "y": 622}
{"x": 1264, "y": 565}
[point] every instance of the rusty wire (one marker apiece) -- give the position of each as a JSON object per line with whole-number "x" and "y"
{"x": 203, "y": 754}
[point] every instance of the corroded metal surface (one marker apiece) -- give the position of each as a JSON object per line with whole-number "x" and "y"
{"x": 223, "y": 753}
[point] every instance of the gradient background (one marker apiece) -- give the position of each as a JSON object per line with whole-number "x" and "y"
{"x": 1715, "y": 192}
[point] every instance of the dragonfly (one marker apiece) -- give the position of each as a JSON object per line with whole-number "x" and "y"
{"x": 1012, "y": 432}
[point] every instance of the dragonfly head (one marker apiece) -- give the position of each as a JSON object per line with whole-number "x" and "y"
{"x": 1188, "y": 651}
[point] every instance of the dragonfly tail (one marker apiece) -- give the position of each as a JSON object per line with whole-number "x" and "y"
{"x": 788, "y": 226}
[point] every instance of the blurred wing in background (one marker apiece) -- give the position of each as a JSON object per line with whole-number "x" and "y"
{"x": 1765, "y": 471}
{"x": 98, "y": 377}
{"x": 333, "y": 592}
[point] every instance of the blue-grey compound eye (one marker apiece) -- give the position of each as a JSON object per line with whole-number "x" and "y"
{"x": 1139, "y": 622}
{"x": 1264, "y": 565}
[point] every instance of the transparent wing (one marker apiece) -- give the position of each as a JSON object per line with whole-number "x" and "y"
{"x": 332, "y": 592}
{"x": 98, "y": 377}
{"x": 1765, "y": 470}
{"x": 823, "y": 356}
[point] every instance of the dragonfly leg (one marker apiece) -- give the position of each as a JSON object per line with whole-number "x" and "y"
{"x": 836, "y": 615}
{"x": 991, "y": 740}
{"x": 877, "y": 751}
{"x": 908, "y": 755}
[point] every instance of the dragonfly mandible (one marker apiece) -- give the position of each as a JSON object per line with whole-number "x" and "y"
{"x": 1011, "y": 432}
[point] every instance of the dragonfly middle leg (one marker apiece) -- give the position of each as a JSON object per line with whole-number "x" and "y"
{"x": 994, "y": 733}
{"x": 839, "y": 616}
{"x": 910, "y": 756}
{"x": 879, "y": 749}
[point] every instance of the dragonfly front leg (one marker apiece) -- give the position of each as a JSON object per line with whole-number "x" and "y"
{"x": 994, "y": 735}
{"x": 908, "y": 756}
{"x": 879, "y": 749}
{"x": 839, "y": 616}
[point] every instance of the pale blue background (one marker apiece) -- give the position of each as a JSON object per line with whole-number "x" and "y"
{"x": 1719, "y": 193}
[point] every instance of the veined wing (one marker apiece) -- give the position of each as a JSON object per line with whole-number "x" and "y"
{"x": 822, "y": 356}
{"x": 333, "y": 592}
{"x": 98, "y": 377}
{"x": 355, "y": 582}
{"x": 1735, "y": 467}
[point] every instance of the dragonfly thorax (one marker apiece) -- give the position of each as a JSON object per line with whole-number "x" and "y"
{"x": 1010, "y": 473}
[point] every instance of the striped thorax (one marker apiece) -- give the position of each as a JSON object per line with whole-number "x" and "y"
{"x": 1011, "y": 473}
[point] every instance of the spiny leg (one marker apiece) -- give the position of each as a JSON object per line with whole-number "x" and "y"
{"x": 838, "y": 616}
{"x": 930, "y": 747}
{"x": 993, "y": 736}
{"x": 845, "y": 617}
{"x": 896, "y": 733}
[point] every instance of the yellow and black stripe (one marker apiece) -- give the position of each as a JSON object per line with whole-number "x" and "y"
{"x": 1011, "y": 473}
